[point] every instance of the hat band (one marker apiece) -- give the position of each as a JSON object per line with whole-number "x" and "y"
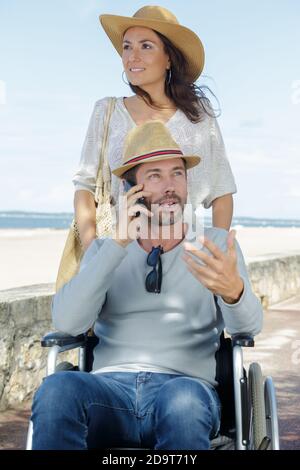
{"x": 154, "y": 154}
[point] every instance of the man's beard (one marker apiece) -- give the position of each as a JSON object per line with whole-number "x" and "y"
{"x": 163, "y": 217}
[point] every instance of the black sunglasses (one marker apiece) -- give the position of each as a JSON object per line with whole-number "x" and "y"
{"x": 154, "y": 278}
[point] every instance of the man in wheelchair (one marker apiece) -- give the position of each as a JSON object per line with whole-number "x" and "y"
{"x": 151, "y": 300}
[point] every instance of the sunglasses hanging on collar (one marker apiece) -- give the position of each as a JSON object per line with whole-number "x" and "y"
{"x": 154, "y": 278}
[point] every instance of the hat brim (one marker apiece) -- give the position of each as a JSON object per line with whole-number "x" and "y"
{"x": 183, "y": 38}
{"x": 191, "y": 161}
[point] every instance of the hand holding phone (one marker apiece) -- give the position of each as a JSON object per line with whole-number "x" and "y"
{"x": 129, "y": 222}
{"x": 127, "y": 186}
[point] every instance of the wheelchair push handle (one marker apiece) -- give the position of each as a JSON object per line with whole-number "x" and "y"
{"x": 62, "y": 339}
{"x": 242, "y": 339}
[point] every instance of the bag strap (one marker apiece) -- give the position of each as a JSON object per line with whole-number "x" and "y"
{"x": 104, "y": 174}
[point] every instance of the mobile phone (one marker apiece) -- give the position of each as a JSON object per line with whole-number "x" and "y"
{"x": 128, "y": 185}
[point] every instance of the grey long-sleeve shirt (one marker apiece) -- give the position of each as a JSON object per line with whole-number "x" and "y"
{"x": 176, "y": 331}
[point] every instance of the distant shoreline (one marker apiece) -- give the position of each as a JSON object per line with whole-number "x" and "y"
{"x": 62, "y": 221}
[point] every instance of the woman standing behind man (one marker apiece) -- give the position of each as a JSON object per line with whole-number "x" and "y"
{"x": 161, "y": 60}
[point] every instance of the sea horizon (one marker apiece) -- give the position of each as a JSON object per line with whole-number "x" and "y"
{"x": 62, "y": 220}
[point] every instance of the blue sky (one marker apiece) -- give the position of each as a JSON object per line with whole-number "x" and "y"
{"x": 56, "y": 61}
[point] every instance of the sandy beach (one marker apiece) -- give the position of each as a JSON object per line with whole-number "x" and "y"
{"x": 32, "y": 256}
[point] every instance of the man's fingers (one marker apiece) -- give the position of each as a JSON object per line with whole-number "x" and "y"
{"x": 215, "y": 251}
{"x": 201, "y": 255}
{"x": 134, "y": 228}
{"x": 132, "y": 211}
{"x": 202, "y": 270}
{"x": 134, "y": 189}
{"x": 134, "y": 197}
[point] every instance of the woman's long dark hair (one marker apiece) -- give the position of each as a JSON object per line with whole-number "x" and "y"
{"x": 188, "y": 97}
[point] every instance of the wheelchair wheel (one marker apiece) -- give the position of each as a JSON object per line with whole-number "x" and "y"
{"x": 258, "y": 428}
{"x": 271, "y": 414}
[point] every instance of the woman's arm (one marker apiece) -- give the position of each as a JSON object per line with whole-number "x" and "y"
{"x": 85, "y": 216}
{"x": 222, "y": 185}
{"x": 86, "y": 175}
{"x": 222, "y": 210}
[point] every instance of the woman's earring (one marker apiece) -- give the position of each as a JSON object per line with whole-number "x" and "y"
{"x": 169, "y": 76}
{"x": 124, "y": 79}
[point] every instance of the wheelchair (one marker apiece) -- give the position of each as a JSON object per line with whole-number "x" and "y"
{"x": 249, "y": 412}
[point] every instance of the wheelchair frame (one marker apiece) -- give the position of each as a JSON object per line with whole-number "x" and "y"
{"x": 242, "y": 437}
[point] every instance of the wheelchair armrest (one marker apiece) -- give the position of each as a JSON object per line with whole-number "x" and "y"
{"x": 58, "y": 338}
{"x": 242, "y": 339}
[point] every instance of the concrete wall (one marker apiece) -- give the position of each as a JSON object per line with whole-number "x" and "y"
{"x": 275, "y": 279}
{"x": 25, "y": 318}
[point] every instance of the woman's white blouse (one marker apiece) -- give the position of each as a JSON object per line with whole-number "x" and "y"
{"x": 210, "y": 179}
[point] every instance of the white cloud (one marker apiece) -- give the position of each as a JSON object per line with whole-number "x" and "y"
{"x": 294, "y": 192}
{"x": 254, "y": 161}
{"x": 252, "y": 123}
{"x": 41, "y": 197}
{"x": 41, "y": 97}
{"x": 295, "y": 95}
{"x": 57, "y": 194}
{"x": 87, "y": 7}
{"x": 270, "y": 155}
{"x": 292, "y": 172}
{"x": 2, "y": 92}
{"x": 26, "y": 195}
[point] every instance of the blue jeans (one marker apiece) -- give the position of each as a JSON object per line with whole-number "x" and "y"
{"x": 79, "y": 410}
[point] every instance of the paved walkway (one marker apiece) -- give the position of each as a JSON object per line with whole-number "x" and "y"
{"x": 277, "y": 350}
{"x": 13, "y": 428}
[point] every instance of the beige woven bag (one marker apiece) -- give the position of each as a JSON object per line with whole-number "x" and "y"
{"x": 73, "y": 252}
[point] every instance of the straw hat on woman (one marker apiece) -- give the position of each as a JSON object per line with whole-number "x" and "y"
{"x": 161, "y": 59}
